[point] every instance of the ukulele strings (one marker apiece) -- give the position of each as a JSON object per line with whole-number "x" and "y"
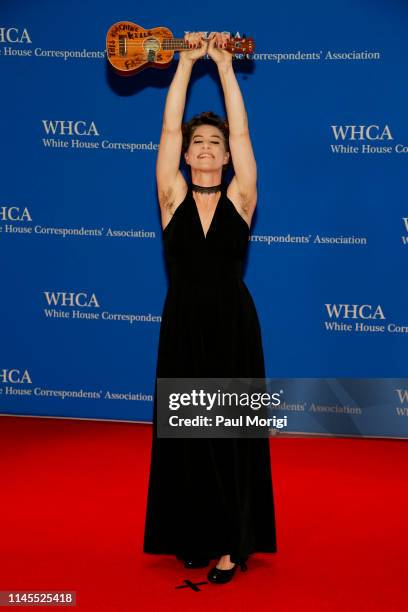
{"x": 172, "y": 41}
{"x": 173, "y": 46}
{"x": 141, "y": 44}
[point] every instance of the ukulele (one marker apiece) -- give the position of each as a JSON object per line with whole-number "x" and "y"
{"x": 130, "y": 48}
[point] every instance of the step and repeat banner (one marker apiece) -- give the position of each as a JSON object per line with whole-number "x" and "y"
{"x": 83, "y": 279}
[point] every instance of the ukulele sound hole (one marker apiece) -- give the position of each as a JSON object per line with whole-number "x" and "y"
{"x": 151, "y": 46}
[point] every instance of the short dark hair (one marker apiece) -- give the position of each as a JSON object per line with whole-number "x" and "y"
{"x": 206, "y": 118}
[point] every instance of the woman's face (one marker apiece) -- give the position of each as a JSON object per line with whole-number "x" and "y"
{"x": 207, "y": 149}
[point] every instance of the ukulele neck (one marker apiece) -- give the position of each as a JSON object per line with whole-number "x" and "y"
{"x": 174, "y": 44}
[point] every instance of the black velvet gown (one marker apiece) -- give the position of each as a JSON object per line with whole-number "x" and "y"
{"x": 209, "y": 497}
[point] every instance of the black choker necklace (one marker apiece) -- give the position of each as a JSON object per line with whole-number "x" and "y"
{"x": 212, "y": 189}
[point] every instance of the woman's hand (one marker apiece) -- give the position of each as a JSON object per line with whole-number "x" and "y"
{"x": 198, "y": 46}
{"x": 216, "y": 49}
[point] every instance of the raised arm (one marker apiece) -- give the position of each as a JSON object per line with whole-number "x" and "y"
{"x": 242, "y": 189}
{"x": 170, "y": 181}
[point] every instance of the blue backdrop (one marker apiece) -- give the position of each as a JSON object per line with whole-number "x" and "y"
{"x": 83, "y": 277}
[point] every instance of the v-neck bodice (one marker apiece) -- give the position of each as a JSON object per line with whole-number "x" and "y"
{"x": 205, "y": 234}
{"x": 218, "y": 254}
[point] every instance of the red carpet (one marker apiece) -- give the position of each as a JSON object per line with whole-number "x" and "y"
{"x": 73, "y": 497}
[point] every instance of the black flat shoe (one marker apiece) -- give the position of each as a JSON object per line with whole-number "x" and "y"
{"x": 221, "y": 576}
{"x": 195, "y": 563}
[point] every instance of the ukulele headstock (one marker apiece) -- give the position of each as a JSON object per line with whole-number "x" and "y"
{"x": 240, "y": 45}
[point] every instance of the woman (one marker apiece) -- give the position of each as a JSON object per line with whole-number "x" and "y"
{"x": 208, "y": 498}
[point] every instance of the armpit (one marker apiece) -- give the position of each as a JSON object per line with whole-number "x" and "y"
{"x": 244, "y": 202}
{"x": 166, "y": 198}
